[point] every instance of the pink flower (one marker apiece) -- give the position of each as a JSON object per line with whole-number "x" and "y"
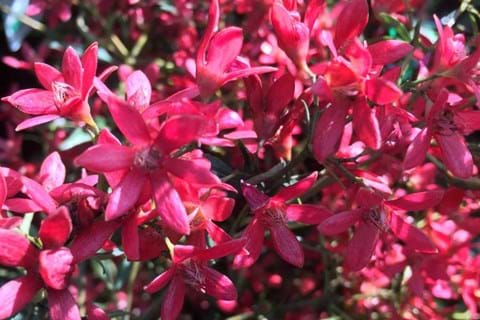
{"x": 190, "y": 268}
{"x": 375, "y": 215}
{"x": 272, "y": 213}
{"x": 65, "y": 93}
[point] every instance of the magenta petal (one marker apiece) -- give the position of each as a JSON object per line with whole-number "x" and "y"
{"x": 16, "y": 250}
{"x": 220, "y": 250}
{"x": 366, "y": 125}
{"x": 382, "y": 91}
{"x": 33, "y": 101}
{"x": 106, "y": 158}
{"x": 329, "y": 130}
{"x": 413, "y": 237}
{"x": 46, "y": 74}
{"x": 178, "y": 131}
{"x": 219, "y": 285}
{"x": 455, "y": 154}
{"x": 361, "y": 246}
{"x": 351, "y": 21}
{"x": 89, "y": 61}
{"x": 242, "y": 73}
{"x": 138, "y": 90}
{"x": 280, "y": 94}
{"x": 191, "y": 171}
{"x": 160, "y": 281}
{"x": 72, "y": 69}
{"x": 130, "y": 239}
{"x": 62, "y": 305}
{"x": 418, "y": 201}
{"x": 218, "y": 208}
{"x": 173, "y": 299}
{"x": 90, "y": 239}
{"x": 125, "y": 195}
{"x": 15, "y": 294}
{"x": 417, "y": 150}
{"x": 217, "y": 234}
{"x": 35, "y": 121}
{"x": 169, "y": 205}
{"x": 255, "y": 198}
{"x": 297, "y": 189}
{"x": 3, "y": 191}
{"x": 287, "y": 245}
{"x": 56, "y": 267}
{"x": 56, "y": 228}
{"x": 307, "y": 213}
{"x": 37, "y": 193}
{"x": 129, "y": 120}
{"x": 21, "y": 205}
{"x": 52, "y": 172}
{"x": 254, "y": 233}
{"x": 388, "y": 51}
{"x": 224, "y": 47}
{"x": 340, "y": 222}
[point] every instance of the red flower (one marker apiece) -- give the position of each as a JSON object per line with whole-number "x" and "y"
{"x": 50, "y": 267}
{"x": 273, "y": 213}
{"x": 148, "y": 163}
{"x": 190, "y": 267}
{"x": 447, "y": 126}
{"x": 217, "y": 54}
{"x": 65, "y": 93}
{"x": 376, "y": 215}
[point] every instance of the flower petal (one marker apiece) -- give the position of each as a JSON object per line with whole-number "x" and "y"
{"x": 89, "y": 240}
{"x": 254, "y": 233}
{"x": 178, "y": 131}
{"x": 219, "y": 285}
{"x": 413, "y": 237}
{"x": 46, "y": 74}
{"x": 173, "y": 299}
{"x": 307, "y": 213}
{"x": 297, "y": 189}
{"x": 366, "y": 125}
{"x": 361, "y": 246}
{"x": 89, "y": 62}
{"x": 72, "y": 69}
{"x": 255, "y": 198}
{"x": 3, "y": 191}
{"x": 417, "y": 150}
{"x": 33, "y": 101}
{"x": 62, "y": 305}
{"x": 16, "y": 250}
{"x": 340, "y": 222}
{"x": 106, "y": 158}
{"x": 191, "y": 171}
{"x": 160, "y": 281}
{"x": 382, "y": 91}
{"x": 455, "y": 154}
{"x": 351, "y": 21}
{"x": 35, "y": 121}
{"x": 169, "y": 205}
{"x": 138, "y": 90}
{"x": 52, "y": 172}
{"x": 417, "y": 201}
{"x": 287, "y": 245}
{"x": 388, "y": 51}
{"x": 125, "y": 195}
{"x": 224, "y": 47}
{"x": 56, "y": 228}
{"x": 15, "y": 295}
{"x": 37, "y": 193}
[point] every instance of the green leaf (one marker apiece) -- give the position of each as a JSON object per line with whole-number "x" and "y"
{"x": 398, "y": 27}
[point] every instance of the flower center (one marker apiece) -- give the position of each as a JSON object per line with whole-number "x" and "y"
{"x": 62, "y": 93}
{"x": 378, "y": 217}
{"x": 147, "y": 159}
{"x": 193, "y": 275}
{"x": 274, "y": 215}
{"x": 445, "y": 125}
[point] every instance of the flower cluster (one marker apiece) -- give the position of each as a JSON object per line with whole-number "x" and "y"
{"x": 317, "y": 159}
